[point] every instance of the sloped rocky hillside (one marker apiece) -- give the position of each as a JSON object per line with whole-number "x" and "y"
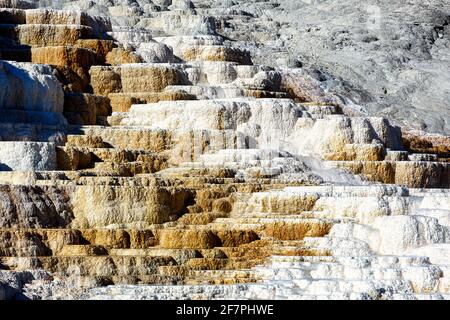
{"x": 387, "y": 57}
{"x": 177, "y": 150}
{"x": 383, "y": 58}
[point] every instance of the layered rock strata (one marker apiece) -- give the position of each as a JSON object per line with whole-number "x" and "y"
{"x": 182, "y": 170}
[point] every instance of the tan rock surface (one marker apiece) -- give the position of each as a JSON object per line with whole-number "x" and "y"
{"x": 119, "y": 56}
{"x": 216, "y": 53}
{"x": 83, "y": 109}
{"x": 42, "y": 35}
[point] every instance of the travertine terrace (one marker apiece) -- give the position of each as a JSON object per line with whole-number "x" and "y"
{"x": 144, "y": 156}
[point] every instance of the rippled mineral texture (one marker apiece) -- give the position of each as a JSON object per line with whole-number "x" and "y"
{"x": 224, "y": 149}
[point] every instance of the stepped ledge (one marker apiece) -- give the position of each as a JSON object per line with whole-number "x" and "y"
{"x": 145, "y": 155}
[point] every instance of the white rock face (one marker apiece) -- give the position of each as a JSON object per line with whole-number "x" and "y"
{"x": 319, "y": 136}
{"x": 29, "y": 87}
{"x": 31, "y": 103}
{"x": 155, "y": 52}
{"x": 400, "y": 233}
{"x": 180, "y": 23}
{"x": 266, "y": 121}
{"x": 179, "y": 43}
{"x": 181, "y": 5}
{"x": 27, "y": 156}
{"x": 438, "y": 253}
{"x": 220, "y": 73}
{"x": 127, "y": 35}
{"x": 269, "y": 123}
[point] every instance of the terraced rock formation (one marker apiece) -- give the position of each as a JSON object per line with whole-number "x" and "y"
{"x": 161, "y": 163}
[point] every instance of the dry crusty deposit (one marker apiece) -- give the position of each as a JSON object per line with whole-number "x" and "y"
{"x": 143, "y": 155}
